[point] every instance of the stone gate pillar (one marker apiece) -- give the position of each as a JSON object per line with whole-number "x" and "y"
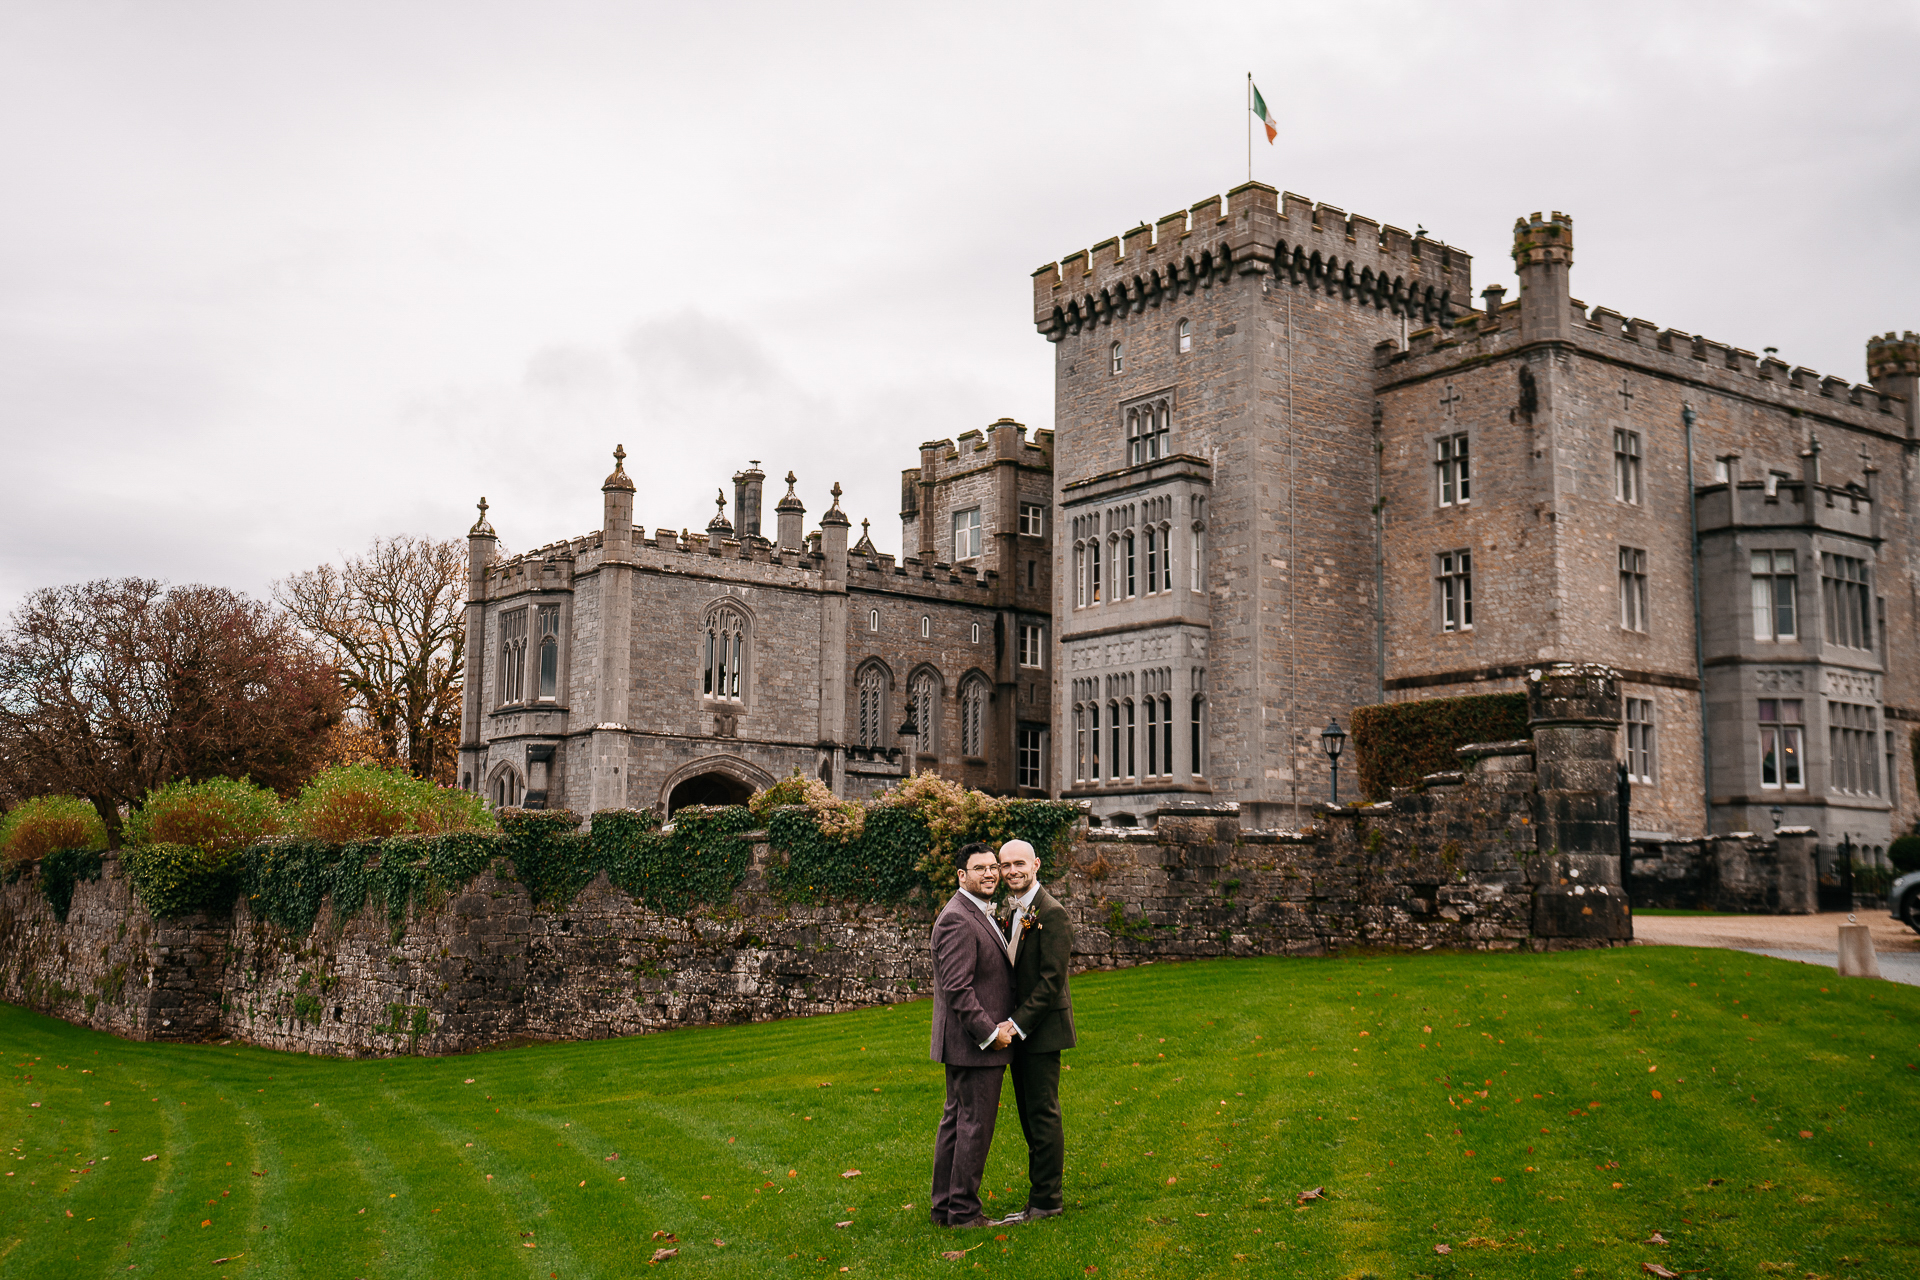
{"x": 1574, "y": 713}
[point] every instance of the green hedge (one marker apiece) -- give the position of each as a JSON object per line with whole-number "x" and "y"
{"x": 889, "y": 862}
{"x": 175, "y": 880}
{"x": 60, "y": 871}
{"x": 1400, "y": 743}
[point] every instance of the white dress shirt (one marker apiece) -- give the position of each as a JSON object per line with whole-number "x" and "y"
{"x": 986, "y": 909}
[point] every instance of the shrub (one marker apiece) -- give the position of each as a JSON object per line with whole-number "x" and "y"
{"x": 39, "y": 826}
{"x": 216, "y": 817}
{"x": 837, "y": 819}
{"x": 1904, "y": 854}
{"x": 363, "y": 802}
{"x": 176, "y": 880}
{"x": 1400, "y": 743}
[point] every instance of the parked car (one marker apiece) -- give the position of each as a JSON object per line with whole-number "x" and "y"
{"x": 1904, "y": 899}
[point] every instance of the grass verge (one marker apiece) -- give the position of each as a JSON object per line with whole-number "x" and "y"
{"x": 1535, "y": 1115}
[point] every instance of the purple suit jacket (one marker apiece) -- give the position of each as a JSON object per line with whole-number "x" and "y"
{"x": 972, "y": 986}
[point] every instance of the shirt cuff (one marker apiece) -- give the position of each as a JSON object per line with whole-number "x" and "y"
{"x": 1016, "y": 1029}
{"x": 988, "y": 1042}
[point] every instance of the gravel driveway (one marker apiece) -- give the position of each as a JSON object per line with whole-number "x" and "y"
{"x": 1811, "y": 939}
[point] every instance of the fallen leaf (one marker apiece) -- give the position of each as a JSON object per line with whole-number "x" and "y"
{"x": 468, "y": 1080}
{"x": 1318, "y": 1193}
{"x": 954, "y": 1255}
{"x": 1657, "y": 1238}
{"x": 661, "y": 1255}
{"x": 144, "y": 1159}
{"x": 851, "y": 1173}
{"x": 718, "y": 1243}
{"x": 847, "y": 1223}
{"x": 1443, "y": 1248}
{"x": 1806, "y": 1133}
{"x": 1658, "y": 1271}
{"x": 207, "y": 1223}
{"x": 614, "y": 1156}
{"x": 235, "y": 1258}
{"x": 665, "y": 1235}
{"x": 258, "y": 1173}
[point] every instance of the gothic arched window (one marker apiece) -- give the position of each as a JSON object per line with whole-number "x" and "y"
{"x": 724, "y": 654}
{"x": 1116, "y": 358}
{"x": 924, "y": 689}
{"x": 1186, "y": 335}
{"x": 873, "y": 706}
{"x": 549, "y": 652}
{"x": 973, "y": 717}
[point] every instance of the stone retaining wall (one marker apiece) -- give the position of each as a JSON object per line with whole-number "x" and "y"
{"x": 1464, "y": 863}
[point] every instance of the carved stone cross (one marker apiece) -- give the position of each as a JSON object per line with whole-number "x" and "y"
{"x": 1450, "y": 399}
{"x": 1626, "y": 397}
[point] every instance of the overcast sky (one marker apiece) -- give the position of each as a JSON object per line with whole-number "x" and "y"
{"x": 276, "y": 279}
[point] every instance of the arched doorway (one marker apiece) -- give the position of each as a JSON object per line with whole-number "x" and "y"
{"x": 708, "y": 788}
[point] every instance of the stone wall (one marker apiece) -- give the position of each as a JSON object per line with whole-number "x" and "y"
{"x": 1741, "y": 872}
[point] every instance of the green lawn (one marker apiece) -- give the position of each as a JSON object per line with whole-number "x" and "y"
{"x": 1504, "y": 1106}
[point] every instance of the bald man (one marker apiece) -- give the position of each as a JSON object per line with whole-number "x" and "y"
{"x": 1040, "y": 945}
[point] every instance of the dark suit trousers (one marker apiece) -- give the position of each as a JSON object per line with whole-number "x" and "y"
{"x": 966, "y": 1133}
{"x": 1036, "y": 1091}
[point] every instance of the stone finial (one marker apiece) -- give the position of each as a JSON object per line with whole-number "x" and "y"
{"x": 792, "y": 500}
{"x": 481, "y": 528}
{"x": 865, "y": 546}
{"x": 719, "y": 521}
{"x": 619, "y": 478}
{"x": 834, "y": 514}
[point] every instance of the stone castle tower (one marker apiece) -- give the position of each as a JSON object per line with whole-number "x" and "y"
{"x": 1296, "y": 471}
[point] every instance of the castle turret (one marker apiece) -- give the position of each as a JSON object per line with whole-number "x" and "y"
{"x": 482, "y": 544}
{"x": 746, "y": 500}
{"x": 791, "y": 514}
{"x": 1893, "y": 366}
{"x": 1543, "y": 257}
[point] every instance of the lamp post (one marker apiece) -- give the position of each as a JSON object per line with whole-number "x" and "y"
{"x": 1332, "y": 739}
{"x": 909, "y": 739}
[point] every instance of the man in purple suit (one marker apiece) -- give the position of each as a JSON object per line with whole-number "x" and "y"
{"x": 972, "y": 1002}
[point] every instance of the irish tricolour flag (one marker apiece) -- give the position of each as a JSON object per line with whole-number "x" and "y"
{"x": 1266, "y": 116}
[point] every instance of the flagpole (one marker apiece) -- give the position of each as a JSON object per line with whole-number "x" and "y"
{"x": 1249, "y": 126}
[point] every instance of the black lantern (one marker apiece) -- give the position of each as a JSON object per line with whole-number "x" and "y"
{"x": 1332, "y": 739}
{"x": 909, "y": 739}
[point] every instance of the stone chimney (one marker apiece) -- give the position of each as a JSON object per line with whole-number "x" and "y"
{"x": 746, "y": 500}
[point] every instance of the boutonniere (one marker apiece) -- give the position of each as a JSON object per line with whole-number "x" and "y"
{"x": 1028, "y": 922}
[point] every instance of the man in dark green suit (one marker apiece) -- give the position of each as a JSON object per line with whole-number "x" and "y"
{"x": 1040, "y": 944}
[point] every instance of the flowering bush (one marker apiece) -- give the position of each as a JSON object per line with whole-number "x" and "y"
{"x": 217, "y": 816}
{"x": 43, "y": 824}
{"x": 837, "y": 819}
{"x": 363, "y": 802}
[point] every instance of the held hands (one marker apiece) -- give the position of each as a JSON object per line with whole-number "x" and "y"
{"x": 1003, "y": 1034}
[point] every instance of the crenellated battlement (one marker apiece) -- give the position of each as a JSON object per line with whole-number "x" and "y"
{"x": 1893, "y": 356}
{"x": 1253, "y": 231}
{"x": 1476, "y": 335}
{"x": 1004, "y": 440}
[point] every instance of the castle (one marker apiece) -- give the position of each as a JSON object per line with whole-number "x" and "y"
{"x": 1294, "y": 469}
{"x": 618, "y": 670}
{"x": 1297, "y": 472}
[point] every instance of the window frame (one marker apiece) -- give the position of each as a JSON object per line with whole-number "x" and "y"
{"x": 726, "y": 666}
{"x": 1033, "y": 519}
{"x": 547, "y": 678}
{"x": 1628, "y": 483}
{"x": 1453, "y": 580}
{"x": 974, "y": 696}
{"x": 1788, "y": 737}
{"x": 1116, "y": 359}
{"x": 1183, "y": 337}
{"x": 967, "y": 521}
{"x": 1030, "y": 757}
{"x": 1769, "y": 604}
{"x": 1633, "y": 590}
{"x": 1453, "y": 469}
{"x": 1846, "y": 599}
{"x": 1033, "y": 646}
{"x": 512, "y": 687}
{"x": 1639, "y": 727}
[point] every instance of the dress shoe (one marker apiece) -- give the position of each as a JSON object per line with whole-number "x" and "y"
{"x": 937, "y": 1219}
{"x": 1029, "y": 1214}
{"x": 967, "y": 1224}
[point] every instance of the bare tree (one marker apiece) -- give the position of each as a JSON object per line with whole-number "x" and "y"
{"x": 394, "y": 621}
{"x": 111, "y": 689}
